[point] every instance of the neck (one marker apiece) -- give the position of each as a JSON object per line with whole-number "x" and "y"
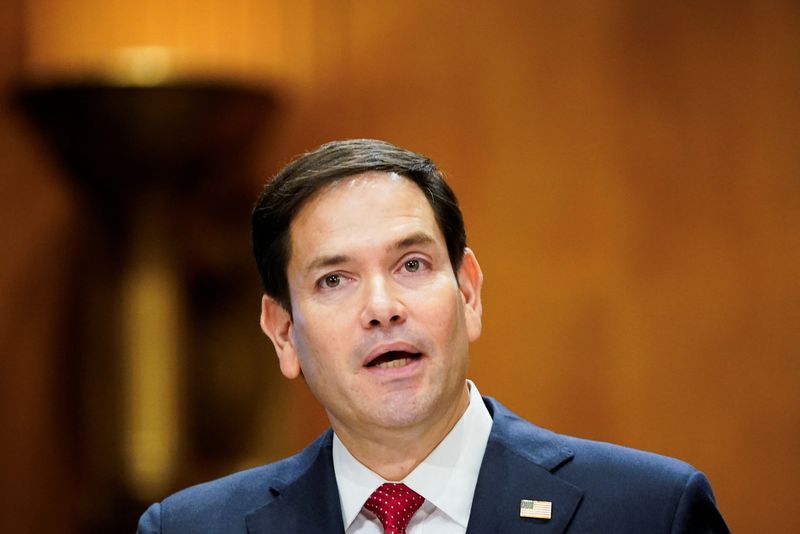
{"x": 393, "y": 453}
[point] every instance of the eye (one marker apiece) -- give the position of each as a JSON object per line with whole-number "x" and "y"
{"x": 331, "y": 281}
{"x": 412, "y": 265}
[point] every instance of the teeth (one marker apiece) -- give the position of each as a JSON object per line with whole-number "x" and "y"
{"x": 394, "y": 363}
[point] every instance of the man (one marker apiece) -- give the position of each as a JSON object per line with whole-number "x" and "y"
{"x": 373, "y": 297}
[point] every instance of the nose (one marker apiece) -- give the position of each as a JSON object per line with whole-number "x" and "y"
{"x": 382, "y": 305}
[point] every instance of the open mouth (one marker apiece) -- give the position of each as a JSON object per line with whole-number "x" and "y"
{"x": 394, "y": 358}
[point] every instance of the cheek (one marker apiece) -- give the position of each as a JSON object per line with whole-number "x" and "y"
{"x": 317, "y": 340}
{"x": 444, "y": 315}
{"x": 304, "y": 341}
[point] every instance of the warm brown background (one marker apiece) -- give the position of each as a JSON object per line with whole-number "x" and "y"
{"x": 630, "y": 177}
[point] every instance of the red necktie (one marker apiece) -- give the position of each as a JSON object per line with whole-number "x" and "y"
{"x": 394, "y": 504}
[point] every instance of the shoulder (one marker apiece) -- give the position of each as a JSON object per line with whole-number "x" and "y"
{"x": 630, "y": 486}
{"x": 220, "y": 504}
{"x": 648, "y": 489}
{"x": 577, "y": 457}
{"x": 621, "y": 470}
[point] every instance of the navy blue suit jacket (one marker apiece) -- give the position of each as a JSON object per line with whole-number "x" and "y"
{"x": 594, "y": 488}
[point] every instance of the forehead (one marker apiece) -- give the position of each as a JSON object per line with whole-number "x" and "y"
{"x": 367, "y": 207}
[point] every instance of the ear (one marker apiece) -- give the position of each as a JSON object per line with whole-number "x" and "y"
{"x": 470, "y": 281}
{"x": 276, "y": 322}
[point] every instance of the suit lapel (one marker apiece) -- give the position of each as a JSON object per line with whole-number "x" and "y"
{"x": 518, "y": 464}
{"x": 308, "y": 503}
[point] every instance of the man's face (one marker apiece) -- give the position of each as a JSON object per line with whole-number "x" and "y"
{"x": 380, "y": 324}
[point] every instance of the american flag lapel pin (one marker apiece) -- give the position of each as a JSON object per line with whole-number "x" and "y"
{"x": 535, "y": 509}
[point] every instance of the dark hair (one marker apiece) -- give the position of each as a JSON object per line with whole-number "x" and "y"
{"x": 295, "y": 184}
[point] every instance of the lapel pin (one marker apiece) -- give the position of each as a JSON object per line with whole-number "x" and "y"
{"x": 535, "y": 509}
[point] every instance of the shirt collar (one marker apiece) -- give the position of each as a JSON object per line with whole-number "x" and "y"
{"x": 446, "y": 478}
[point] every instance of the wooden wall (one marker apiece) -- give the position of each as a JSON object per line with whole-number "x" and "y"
{"x": 629, "y": 173}
{"x": 631, "y": 182}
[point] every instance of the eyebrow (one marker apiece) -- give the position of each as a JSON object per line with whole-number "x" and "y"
{"x": 415, "y": 239}
{"x": 324, "y": 262}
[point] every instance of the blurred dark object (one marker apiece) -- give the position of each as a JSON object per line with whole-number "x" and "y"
{"x": 119, "y": 141}
{"x": 166, "y": 192}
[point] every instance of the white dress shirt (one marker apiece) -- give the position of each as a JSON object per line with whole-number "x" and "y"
{"x": 446, "y": 478}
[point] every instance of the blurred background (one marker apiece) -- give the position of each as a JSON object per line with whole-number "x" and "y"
{"x": 629, "y": 173}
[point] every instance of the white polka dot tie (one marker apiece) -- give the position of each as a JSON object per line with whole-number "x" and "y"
{"x": 394, "y": 504}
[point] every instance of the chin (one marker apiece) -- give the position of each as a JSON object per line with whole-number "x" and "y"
{"x": 402, "y": 411}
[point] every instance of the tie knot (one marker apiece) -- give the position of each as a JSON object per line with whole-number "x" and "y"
{"x": 394, "y": 504}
